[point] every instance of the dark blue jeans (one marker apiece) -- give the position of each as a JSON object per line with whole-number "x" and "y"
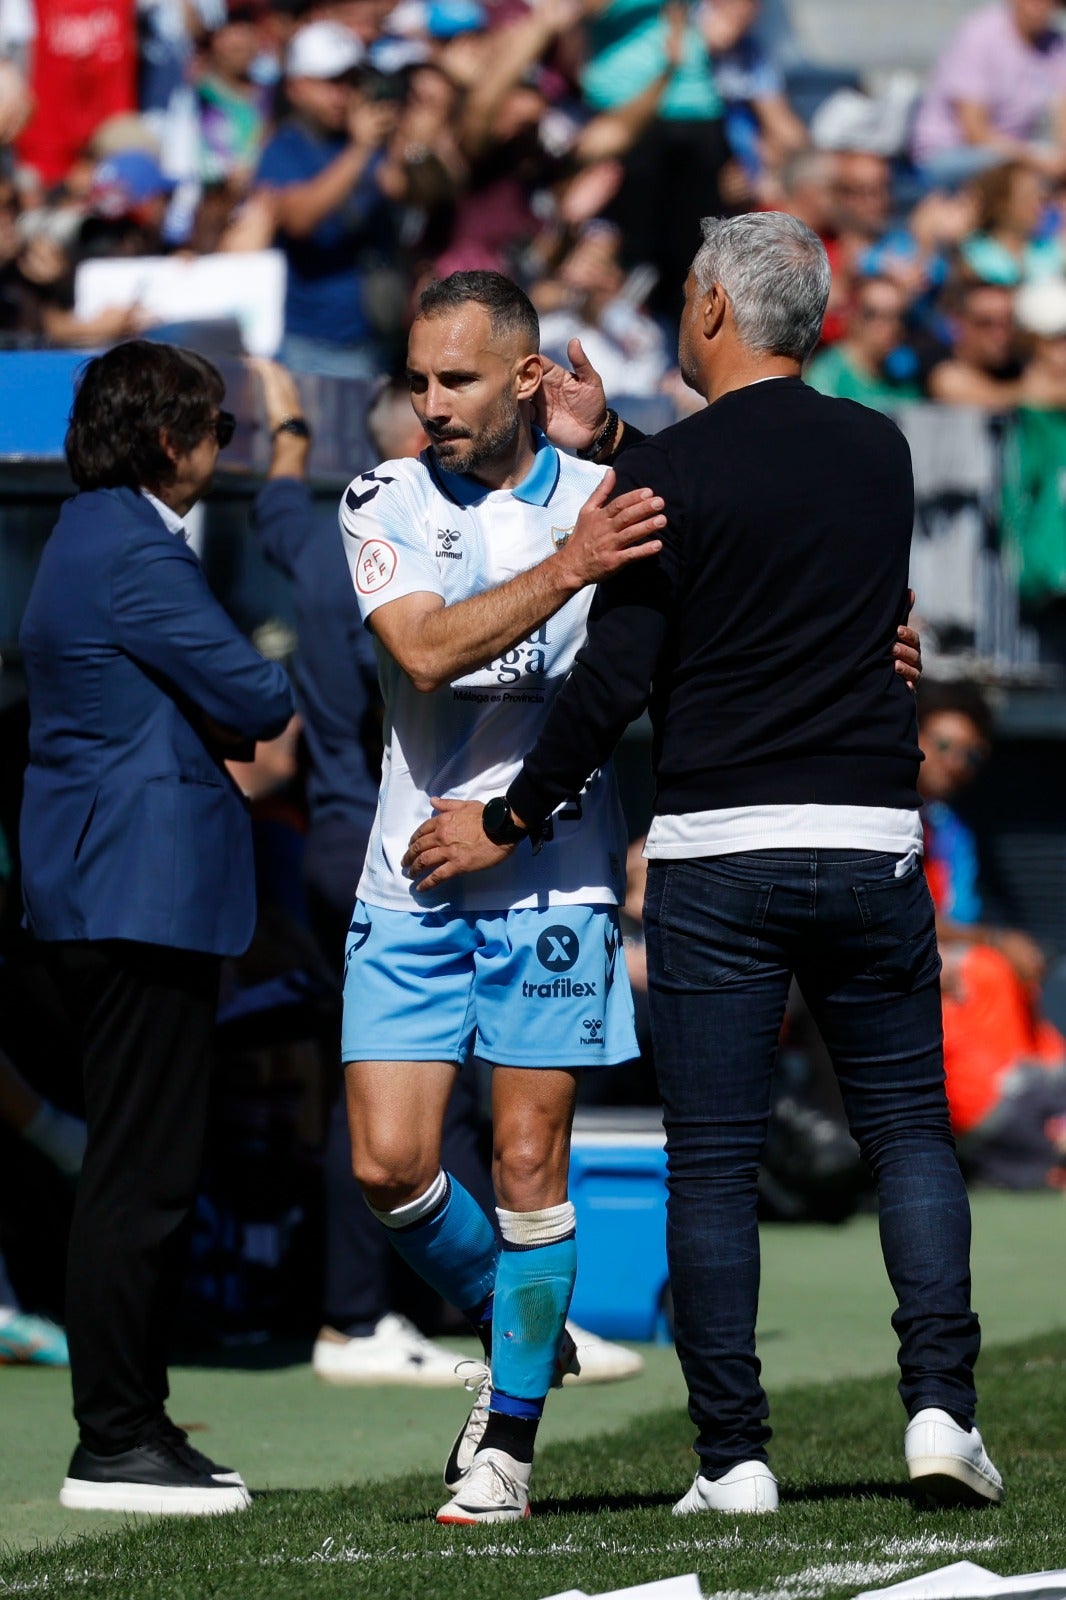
{"x": 725, "y": 934}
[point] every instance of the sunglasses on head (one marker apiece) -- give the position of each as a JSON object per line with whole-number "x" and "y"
{"x": 225, "y": 426}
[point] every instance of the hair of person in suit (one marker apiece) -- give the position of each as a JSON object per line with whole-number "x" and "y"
{"x": 511, "y": 312}
{"x": 128, "y": 401}
{"x": 777, "y": 276}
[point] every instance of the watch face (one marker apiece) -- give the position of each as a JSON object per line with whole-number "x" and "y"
{"x": 496, "y": 821}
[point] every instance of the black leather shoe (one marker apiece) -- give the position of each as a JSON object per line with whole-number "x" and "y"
{"x": 180, "y": 1440}
{"x": 158, "y": 1476}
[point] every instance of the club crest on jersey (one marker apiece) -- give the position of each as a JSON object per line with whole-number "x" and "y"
{"x": 446, "y": 538}
{"x": 561, "y": 535}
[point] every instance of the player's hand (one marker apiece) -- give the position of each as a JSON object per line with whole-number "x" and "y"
{"x": 570, "y": 406}
{"x": 908, "y": 651}
{"x": 451, "y": 843}
{"x": 609, "y": 533}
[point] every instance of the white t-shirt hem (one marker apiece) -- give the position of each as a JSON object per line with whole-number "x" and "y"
{"x": 730, "y": 830}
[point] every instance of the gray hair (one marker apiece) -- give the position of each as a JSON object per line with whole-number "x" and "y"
{"x": 777, "y": 276}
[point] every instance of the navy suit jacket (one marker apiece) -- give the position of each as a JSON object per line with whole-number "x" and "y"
{"x": 131, "y": 827}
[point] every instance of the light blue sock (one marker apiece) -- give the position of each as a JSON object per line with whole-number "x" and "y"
{"x": 448, "y": 1240}
{"x": 534, "y": 1283}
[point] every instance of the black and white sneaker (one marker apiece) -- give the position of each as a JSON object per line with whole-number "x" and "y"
{"x": 160, "y": 1477}
{"x": 196, "y": 1458}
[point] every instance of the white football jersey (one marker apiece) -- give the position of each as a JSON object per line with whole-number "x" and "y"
{"x": 410, "y": 527}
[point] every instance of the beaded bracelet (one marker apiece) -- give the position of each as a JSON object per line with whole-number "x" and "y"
{"x": 602, "y": 439}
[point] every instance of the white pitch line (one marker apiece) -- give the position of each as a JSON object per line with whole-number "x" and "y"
{"x": 891, "y": 1557}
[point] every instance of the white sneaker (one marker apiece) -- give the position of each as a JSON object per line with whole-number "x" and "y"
{"x": 396, "y": 1352}
{"x": 948, "y": 1463}
{"x": 496, "y": 1489}
{"x": 751, "y": 1486}
{"x": 478, "y": 1379}
{"x": 586, "y": 1358}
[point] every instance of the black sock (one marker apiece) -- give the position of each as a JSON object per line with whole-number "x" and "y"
{"x": 484, "y": 1333}
{"x": 515, "y": 1435}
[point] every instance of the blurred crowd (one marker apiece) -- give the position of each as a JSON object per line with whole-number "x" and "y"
{"x": 572, "y": 144}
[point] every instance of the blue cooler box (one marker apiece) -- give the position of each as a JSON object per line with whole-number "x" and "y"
{"x": 618, "y": 1187}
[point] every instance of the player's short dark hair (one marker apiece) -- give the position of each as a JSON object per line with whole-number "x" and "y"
{"x": 962, "y": 699}
{"x": 125, "y": 399}
{"x": 509, "y": 307}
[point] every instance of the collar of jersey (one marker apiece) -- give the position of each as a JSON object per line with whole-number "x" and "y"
{"x": 536, "y": 488}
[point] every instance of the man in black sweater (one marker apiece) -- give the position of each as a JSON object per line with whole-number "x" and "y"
{"x": 785, "y": 840}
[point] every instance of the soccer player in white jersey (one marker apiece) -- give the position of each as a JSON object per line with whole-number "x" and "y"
{"x": 474, "y": 567}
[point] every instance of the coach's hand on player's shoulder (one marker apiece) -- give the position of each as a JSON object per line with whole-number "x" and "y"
{"x": 610, "y": 533}
{"x": 451, "y": 843}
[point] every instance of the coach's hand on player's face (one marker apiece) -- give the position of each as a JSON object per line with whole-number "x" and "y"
{"x": 451, "y": 843}
{"x": 610, "y": 533}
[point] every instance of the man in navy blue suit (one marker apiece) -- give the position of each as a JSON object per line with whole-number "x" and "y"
{"x": 138, "y": 879}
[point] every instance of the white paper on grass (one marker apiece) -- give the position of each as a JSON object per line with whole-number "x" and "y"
{"x": 248, "y": 285}
{"x": 964, "y": 1580}
{"x": 684, "y": 1588}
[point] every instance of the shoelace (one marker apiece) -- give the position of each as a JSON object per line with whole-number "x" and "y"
{"x": 500, "y": 1488}
{"x": 479, "y": 1377}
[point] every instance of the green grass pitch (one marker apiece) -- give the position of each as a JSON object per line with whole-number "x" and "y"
{"x": 602, "y": 1515}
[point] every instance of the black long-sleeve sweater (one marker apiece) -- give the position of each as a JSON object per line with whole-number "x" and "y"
{"x": 761, "y": 636}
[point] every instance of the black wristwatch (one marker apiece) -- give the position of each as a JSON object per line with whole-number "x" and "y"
{"x": 297, "y": 426}
{"x": 498, "y": 823}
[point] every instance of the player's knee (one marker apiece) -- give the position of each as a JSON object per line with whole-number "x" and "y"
{"x": 529, "y": 1175}
{"x": 389, "y": 1181}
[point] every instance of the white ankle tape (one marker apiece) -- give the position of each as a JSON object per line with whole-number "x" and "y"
{"x": 538, "y": 1227}
{"x": 405, "y": 1216}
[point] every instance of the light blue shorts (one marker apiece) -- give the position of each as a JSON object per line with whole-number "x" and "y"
{"x": 524, "y": 988}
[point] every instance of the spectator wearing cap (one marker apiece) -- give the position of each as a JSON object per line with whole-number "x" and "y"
{"x": 127, "y": 203}
{"x": 333, "y": 184}
{"x": 997, "y": 93}
{"x": 1040, "y": 310}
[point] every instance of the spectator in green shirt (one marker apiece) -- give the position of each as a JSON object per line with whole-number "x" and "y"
{"x": 856, "y": 369}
